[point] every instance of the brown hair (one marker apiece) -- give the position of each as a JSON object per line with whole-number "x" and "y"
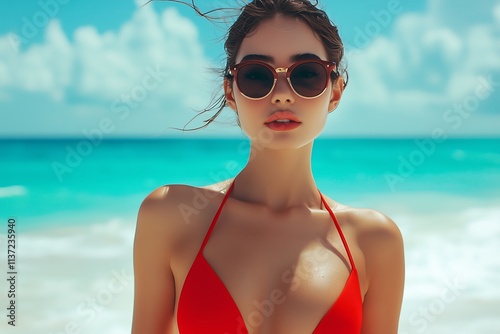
{"x": 251, "y": 15}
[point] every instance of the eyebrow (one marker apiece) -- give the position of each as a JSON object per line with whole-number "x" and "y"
{"x": 270, "y": 59}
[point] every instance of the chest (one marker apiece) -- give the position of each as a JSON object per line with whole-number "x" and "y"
{"x": 274, "y": 272}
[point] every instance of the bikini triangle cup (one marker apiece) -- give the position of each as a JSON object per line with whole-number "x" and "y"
{"x": 206, "y": 306}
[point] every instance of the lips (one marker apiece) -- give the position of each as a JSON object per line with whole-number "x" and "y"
{"x": 283, "y": 121}
{"x": 283, "y": 117}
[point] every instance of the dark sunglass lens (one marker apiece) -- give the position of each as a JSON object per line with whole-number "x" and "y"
{"x": 255, "y": 80}
{"x": 309, "y": 79}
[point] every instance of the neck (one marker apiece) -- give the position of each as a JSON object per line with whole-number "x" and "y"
{"x": 278, "y": 179}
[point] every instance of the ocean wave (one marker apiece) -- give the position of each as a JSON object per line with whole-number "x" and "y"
{"x": 80, "y": 275}
{"x": 12, "y": 191}
{"x": 450, "y": 265}
{"x": 107, "y": 239}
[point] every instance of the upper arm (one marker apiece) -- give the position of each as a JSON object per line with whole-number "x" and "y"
{"x": 382, "y": 245}
{"x": 154, "y": 289}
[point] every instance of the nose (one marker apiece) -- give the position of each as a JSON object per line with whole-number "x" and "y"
{"x": 282, "y": 92}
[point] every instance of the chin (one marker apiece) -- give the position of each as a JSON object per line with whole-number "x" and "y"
{"x": 283, "y": 141}
{"x": 265, "y": 138}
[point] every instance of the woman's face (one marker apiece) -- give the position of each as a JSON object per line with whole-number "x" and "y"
{"x": 280, "y": 40}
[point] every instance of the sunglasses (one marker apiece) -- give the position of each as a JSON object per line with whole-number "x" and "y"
{"x": 308, "y": 78}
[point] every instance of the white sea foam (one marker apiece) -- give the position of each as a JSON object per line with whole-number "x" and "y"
{"x": 75, "y": 276}
{"x": 12, "y": 191}
{"x": 452, "y": 270}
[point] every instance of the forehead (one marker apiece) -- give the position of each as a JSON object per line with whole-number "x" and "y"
{"x": 281, "y": 38}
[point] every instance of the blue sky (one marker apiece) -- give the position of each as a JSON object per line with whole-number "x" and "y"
{"x": 74, "y": 68}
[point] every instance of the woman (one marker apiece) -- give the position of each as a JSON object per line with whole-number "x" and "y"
{"x": 266, "y": 252}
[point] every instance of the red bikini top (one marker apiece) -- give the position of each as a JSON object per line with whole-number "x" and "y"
{"x": 205, "y": 305}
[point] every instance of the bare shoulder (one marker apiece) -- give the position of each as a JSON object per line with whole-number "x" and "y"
{"x": 364, "y": 219}
{"x": 367, "y": 224}
{"x": 379, "y": 238}
{"x": 377, "y": 234}
{"x": 171, "y": 211}
{"x": 381, "y": 244}
{"x": 374, "y": 228}
{"x": 161, "y": 206}
{"x": 164, "y": 221}
{"x": 158, "y": 219}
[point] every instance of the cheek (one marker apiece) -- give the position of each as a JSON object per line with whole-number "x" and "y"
{"x": 250, "y": 112}
{"x": 320, "y": 105}
{"x": 318, "y": 113}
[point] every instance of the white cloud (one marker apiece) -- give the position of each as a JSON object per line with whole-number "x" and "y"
{"x": 425, "y": 65}
{"x": 42, "y": 68}
{"x": 106, "y": 65}
{"x": 154, "y": 61}
{"x": 496, "y": 13}
{"x": 446, "y": 41}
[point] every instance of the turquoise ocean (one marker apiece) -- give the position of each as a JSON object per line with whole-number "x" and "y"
{"x": 75, "y": 203}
